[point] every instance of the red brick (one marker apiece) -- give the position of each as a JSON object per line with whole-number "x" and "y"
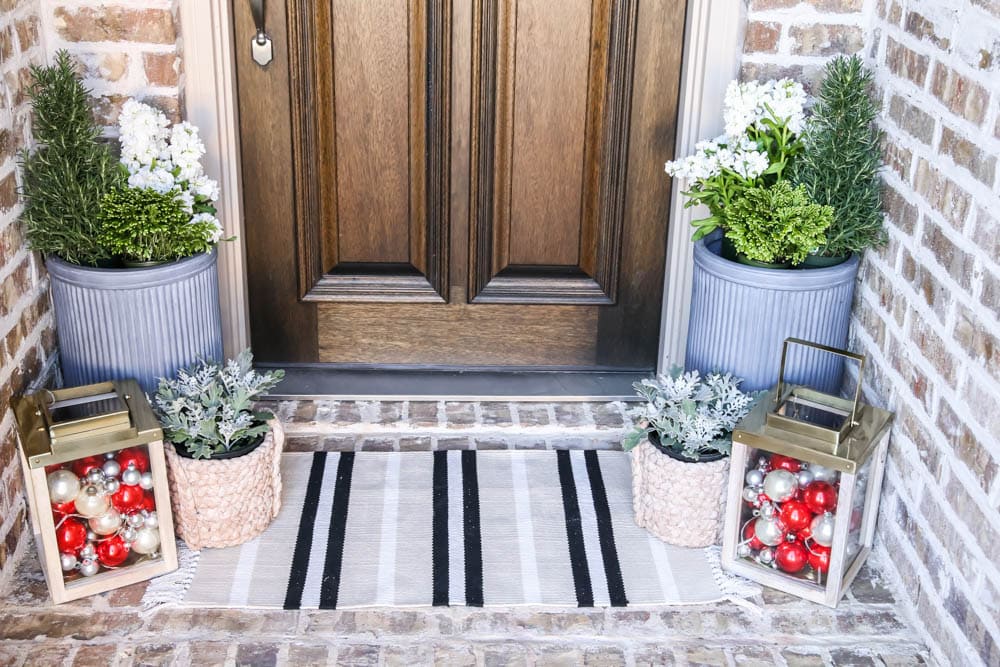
{"x": 944, "y": 195}
{"x": 823, "y": 39}
{"x": 115, "y": 24}
{"x": 969, "y": 155}
{"x": 913, "y": 120}
{"x": 981, "y": 344}
{"x": 906, "y": 63}
{"x": 161, "y": 68}
{"x": 960, "y": 94}
{"x": 920, "y": 26}
{"x": 762, "y": 37}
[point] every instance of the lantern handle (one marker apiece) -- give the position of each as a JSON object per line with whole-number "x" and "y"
{"x": 860, "y": 358}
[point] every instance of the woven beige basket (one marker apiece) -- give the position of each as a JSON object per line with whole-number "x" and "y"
{"x": 681, "y": 503}
{"x": 225, "y": 502}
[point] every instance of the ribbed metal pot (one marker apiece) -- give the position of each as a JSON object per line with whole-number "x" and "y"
{"x": 740, "y": 316}
{"x": 143, "y": 323}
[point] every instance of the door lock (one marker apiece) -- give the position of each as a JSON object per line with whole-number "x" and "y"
{"x": 261, "y": 48}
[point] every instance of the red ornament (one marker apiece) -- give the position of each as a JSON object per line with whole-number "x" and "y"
{"x": 53, "y": 468}
{"x": 133, "y": 455}
{"x": 819, "y": 558}
{"x": 791, "y": 556}
{"x": 749, "y": 534}
{"x": 795, "y": 515}
{"x": 820, "y": 497}
{"x": 806, "y": 532}
{"x": 68, "y": 507}
{"x": 82, "y": 466}
{"x": 112, "y": 551}
{"x": 785, "y": 463}
{"x": 127, "y": 499}
{"x": 148, "y": 502}
{"x": 70, "y": 536}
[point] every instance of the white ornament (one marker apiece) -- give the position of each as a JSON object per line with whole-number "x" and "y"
{"x": 147, "y": 540}
{"x": 822, "y": 529}
{"x": 767, "y": 510}
{"x": 749, "y": 494}
{"x": 111, "y": 468}
{"x": 88, "y": 551}
{"x": 136, "y": 520}
{"x": 804, "y": 476}
{"x": 151, "y": 520}
{"x": 109, "y": 455}
{"x": 131, "y": 475}
{"x": 92, "y": 536}
{"x": 111, "y": 485}
{"x": 766, "y": 556}
{"x": 755, "y": 477}
{"x": 780, "y": 485}
{"x": 95, "y": 476}
{"x": 823, "y": 474}
{"x": 146, "y": 480}
{"x": 64, "y": 486}
{"x": 768, "y": 531}
{"x": 107, "y": 523}
{"x": 743, "y": 550}
{"x": 88, "y": 567}
{"x": 92, "y": 501}
{"x": 128, "y": 534}
{"x": 68, "y": 562}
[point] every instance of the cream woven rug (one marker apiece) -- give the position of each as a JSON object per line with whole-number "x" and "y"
{"x": 496, "y": 528}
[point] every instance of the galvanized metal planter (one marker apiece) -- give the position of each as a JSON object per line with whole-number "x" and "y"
{"x": 740, "y": 315}
{"x": 143, "y": 323}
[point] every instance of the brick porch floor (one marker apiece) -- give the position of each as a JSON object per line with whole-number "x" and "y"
{"x": 867, "y": 629}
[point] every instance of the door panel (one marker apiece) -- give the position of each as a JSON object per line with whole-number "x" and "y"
{"x": 459, "y": 182}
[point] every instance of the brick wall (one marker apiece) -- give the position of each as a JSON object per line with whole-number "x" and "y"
{"x": 926, "y": 310}
{"x": 128, "y": 48}
{"x": 26, "y": 325}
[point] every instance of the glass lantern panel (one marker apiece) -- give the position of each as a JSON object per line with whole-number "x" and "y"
{"x": 104, "y": 511}
{"x": 787, "y": 516}
{"x": 856, "y": 525}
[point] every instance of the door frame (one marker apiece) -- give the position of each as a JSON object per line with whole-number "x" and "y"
{"x": 713, "y": 43}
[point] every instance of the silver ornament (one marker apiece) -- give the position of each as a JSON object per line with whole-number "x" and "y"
{"x": 92, "y": 501}
{"x": 146, "y": 481}
{"x": 749, "y": 494}
{"x": 95, "y": 476}
{"x": 147, "y": 540}
{"x": 743, "y": 550}
{"x": 766, "y": 556}
{"x": 151, "y": 520}
{"x": 128, "y": 534}
{"x": 131, "y": 476}
{"x": 822, "y": 529}
{"x": 89, "y": 567}
{"x": 780, "y": 485}
{"x": 136, "y": 520}
{"x": 68, "y": 562}
{"x": 64, "y": 486}
{"x": 768, "y": 531}
{"x": 767, "y": 510}
{"x": 804, "y": 477}
{"x": 88, "y": 551}
{"x": 755, "y": 477}
{"x": 111, "y": 468}
{"x": 107, "y": 523}
{"x": 109, "y": 455}
{"x": 92, "y": 536}
{"x": 111, "y": 485}
{"x": 823, "y": 474}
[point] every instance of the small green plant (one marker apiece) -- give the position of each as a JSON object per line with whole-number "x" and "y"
{"x": 693, "y": 417}
{"x": 208, "y": 409}
{"x": 842, "y": 157}
{"x": 777, "y": 224}
{"x": 143, "y": 225}
{"x": 69, "y": 172}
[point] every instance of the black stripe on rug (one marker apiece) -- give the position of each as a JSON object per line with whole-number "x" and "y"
{"x": 439, "y": 537}
{"x": 609, "y": 552}
{"x": 330, "y": 585}
{"x": 303, "y": 542}
{"x": 472, "y": 532}
{"x": 574, "y": 532}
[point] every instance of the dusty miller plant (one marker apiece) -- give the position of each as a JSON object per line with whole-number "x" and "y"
{"x": 208, "y": 409}
{"x": 693, "y": 417}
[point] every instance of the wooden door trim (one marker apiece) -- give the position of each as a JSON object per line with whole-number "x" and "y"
{"x": 492, "y": 278}
{"x": 313, "y": 142}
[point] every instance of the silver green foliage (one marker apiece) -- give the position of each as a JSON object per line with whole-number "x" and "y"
{"x": 208, "y": 409}
{"x": 694, "y": 417}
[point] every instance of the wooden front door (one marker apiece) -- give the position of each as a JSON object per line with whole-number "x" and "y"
{"x": 459, "y": 182}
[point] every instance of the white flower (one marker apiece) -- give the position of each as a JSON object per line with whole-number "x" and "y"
{"x": 214, "y": 226}
{"x": 186, "y": 151}
{"x": 187, "y": 200}
{"x": 741, "y": 156}
{"x": 787, "y": 102}
{"x": 747, "y": 104}
{"x": 142, "y": 134}
{"x": 157, "y": 178}
{"x": 203, "y": 186}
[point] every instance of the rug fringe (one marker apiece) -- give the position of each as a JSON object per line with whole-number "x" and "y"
{"x": 735, "y": 589}
{"x": 171, "y": 588}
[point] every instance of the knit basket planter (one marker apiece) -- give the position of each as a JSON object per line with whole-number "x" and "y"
{"x": 225, "y": 502}
{"x": 679, "y": 502}
{"x": 141, "y": 323}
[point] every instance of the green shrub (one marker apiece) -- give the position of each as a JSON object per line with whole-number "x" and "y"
{"x": 842, "y": 157}
{"x": 777, "y": 223}
{"x": 143, "y": 225}
{"x": 70, "y": 170}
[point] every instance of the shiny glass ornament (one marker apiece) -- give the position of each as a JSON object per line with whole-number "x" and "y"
{"x": 68, "y": 562}
{"x": 111, "y": 468}
{"x": 152, "y": 520}
{"x": 768, "y": 531}
{"x": 131, "y": 476}
{"x": 95, "y": 476}
{"x": 780, "y": 485}
{"x": 92, "y": 501}
{"x": 755, "y": 477}
{"x": 64, "y": 486}
{"x": 88, "y": 551}
{"x": 822, "y": 529}
{"x": 89, "y": 567}
{"x": 111, "y": 486}
{"x": 107, "y": 523}
{"x": 147, "y": 540}
{"x": 823, "y": 474}
{"x": 146, "y": 481}
{"x": 136, "y": 520}
{"x": 804, "y": 477}
{"x": 766, "y": 555}
{"x": 71, "y": 535}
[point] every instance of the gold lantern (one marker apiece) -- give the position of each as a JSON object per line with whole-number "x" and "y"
{"x": 804, "y": 485}
{"x": 96, "y": 483}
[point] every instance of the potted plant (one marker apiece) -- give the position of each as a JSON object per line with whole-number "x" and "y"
{"x": 129, "y": 243}
{"x": 679, "y": 452}
{"x": 764, "y": 258}
{"x": 223, "y": 455}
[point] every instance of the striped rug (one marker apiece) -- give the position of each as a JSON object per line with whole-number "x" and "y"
{"x": 499, "y": 528}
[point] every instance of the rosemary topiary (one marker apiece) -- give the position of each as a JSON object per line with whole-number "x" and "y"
{"x": 842, "y": 157}
{"x": 143, "y": 225}
{"x": 70, "y": 170}
{"x": 778, "y": 223}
